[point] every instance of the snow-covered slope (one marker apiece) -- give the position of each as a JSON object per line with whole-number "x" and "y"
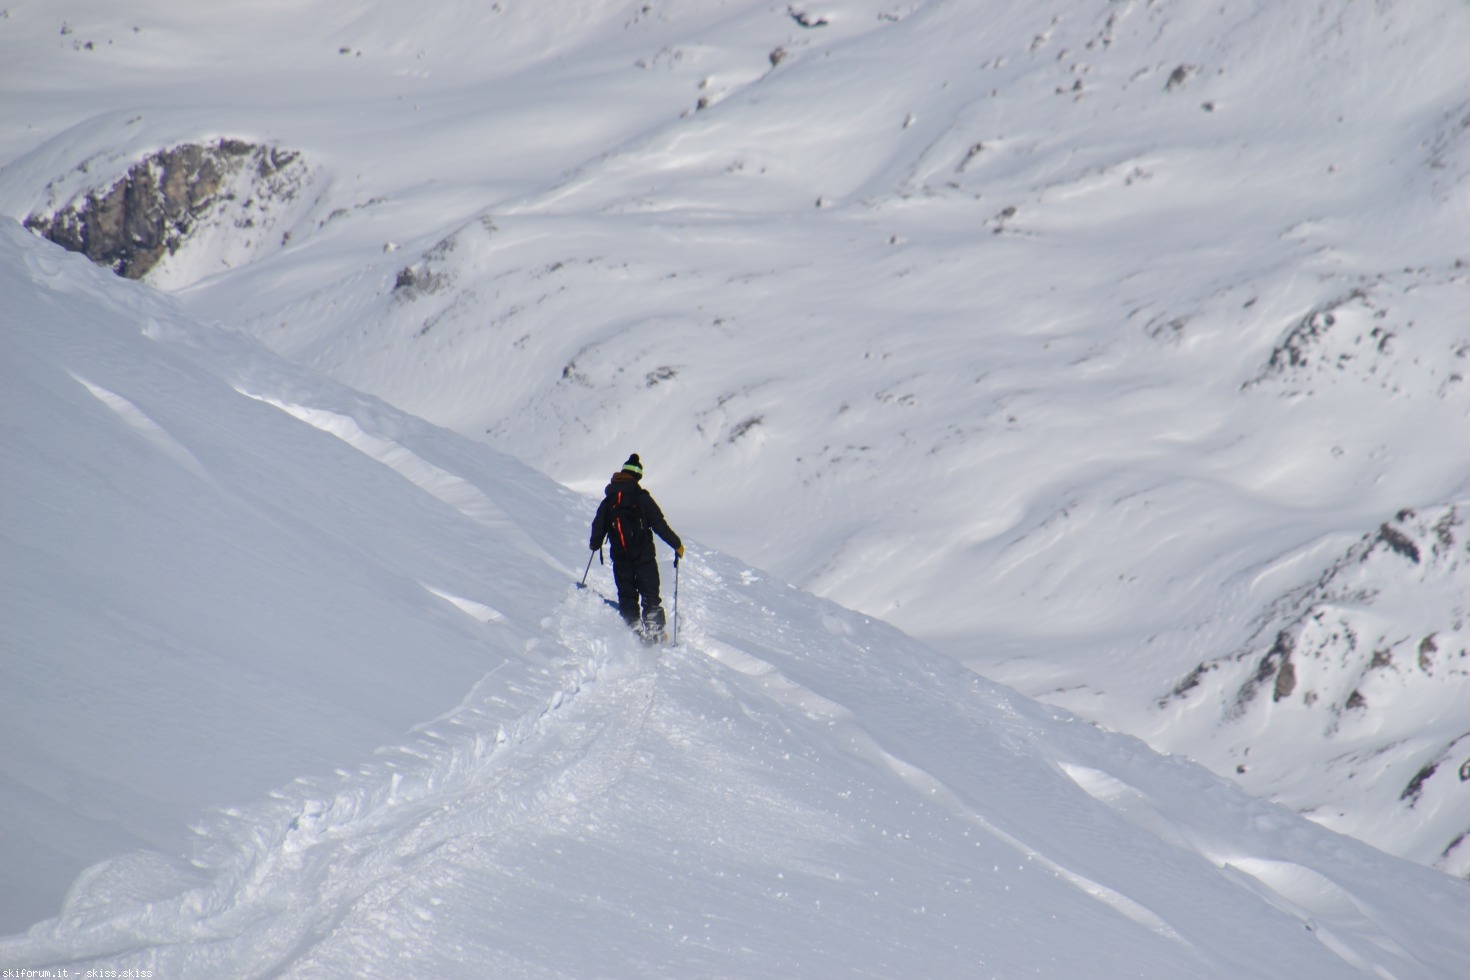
{"x": 228, "y": 573}
{"x": 1092, "y": 343}
{"x": 190, "y": 616}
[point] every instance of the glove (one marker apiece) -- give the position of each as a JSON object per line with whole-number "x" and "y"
{"x": 679, "y": 551}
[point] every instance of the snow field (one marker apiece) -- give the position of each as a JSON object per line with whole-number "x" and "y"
{"x": 794, "y": 788}
{"x": 1100, "y": 347}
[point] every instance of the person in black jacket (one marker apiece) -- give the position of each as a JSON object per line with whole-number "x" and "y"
{"x": 628, "y": 518}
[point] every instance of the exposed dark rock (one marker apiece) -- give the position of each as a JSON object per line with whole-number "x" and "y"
{"x": 1399, "y": 542}
{"x": 1427, "y": 649}
{"x": 1270, "y": 664}
{"x": 805, "y": 19}
{"x": 414, "y": 281}
{"x": 1179, "y": 76}
{"x": 1416, "y": 785}
{"x": 1444, "y": 529}
{"x": 1292, "y": 351}
{"x": 1285, "y": 681}
{"x": 152, "y": 210}
{"x": 1190, "y": 682}
{"x": 743, "y": 427}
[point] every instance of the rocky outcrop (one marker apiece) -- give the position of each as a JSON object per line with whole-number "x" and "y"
{"x": 1367, "y": 666}
{"x": 161, "y": 202}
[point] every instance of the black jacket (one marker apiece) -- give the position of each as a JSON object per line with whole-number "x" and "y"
{"x": 628, "y": 518}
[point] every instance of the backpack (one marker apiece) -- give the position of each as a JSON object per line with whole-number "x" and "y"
{"x": 625, "y": 529}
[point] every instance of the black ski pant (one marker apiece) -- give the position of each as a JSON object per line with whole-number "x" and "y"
{"x": 637, "y": 579}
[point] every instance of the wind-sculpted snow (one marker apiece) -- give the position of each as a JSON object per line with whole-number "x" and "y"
{"x": 1116, "y": 349}
{"x": 1037, "y": 329}
{"x": 621, "y": 811}
{"x": 285, "y": 579}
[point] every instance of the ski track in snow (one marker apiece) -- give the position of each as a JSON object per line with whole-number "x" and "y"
{"x": 320, "y": 865}
{"x": 787, "y": 758}
{"x": 317, "y": 870}
{"x": 332, "y": 873}
{"x": 324, "y": 858}
{"x": 1185, "y": 338}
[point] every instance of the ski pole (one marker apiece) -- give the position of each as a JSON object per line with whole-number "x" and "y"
{"x": 583, "y": 584}
{"x": 675, "y": 640}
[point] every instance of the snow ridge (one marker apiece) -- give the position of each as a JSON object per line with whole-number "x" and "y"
{"x": 372, "y": 867}
{"x": 1116, "y": 348}
{"x": 322, "y": 854}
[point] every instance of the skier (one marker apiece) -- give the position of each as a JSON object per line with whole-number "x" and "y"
{"x": 628, "y": 517}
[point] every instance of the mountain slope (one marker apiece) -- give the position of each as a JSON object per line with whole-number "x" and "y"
{"x": 1081, "y": 341}
{"x": 794, "y": 788}
{"x": 166, "y": 641}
